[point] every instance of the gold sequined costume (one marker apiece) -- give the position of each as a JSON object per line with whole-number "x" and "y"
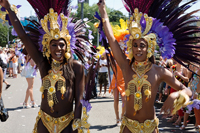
{"x": 135, "y": 127}
{"x": 53, "y": 125}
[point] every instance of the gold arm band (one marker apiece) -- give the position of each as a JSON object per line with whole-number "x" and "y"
{"x": 104, "y": 19}
{"x": 81, "y": 124}
{"x": 181, "y": 101}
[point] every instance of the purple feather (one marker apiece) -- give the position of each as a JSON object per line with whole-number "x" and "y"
{"x": 194, "y": 104}
{"x": 90, "y": 36}
{"x": 42, "y": 7}
{"x": 35, "y": 71}
{"x": 87, "y": 105}
{"x": 3, "y": 9}
{"x": 74, "y": 7}
{"x": 7, "y": 18}
{"x": 13, "y": 32}
{"x": 70, "y": 28}
{"x": 126, "y": 6}
{"x": 142, "y": 5}
{"x": 18, "y": 6}
{"x": 165, "y": 38}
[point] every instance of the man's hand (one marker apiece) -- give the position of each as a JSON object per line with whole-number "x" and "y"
{"x": 5, "y": 4}
{"x": 101, "y": 5}
{"x": 169, "y": 103}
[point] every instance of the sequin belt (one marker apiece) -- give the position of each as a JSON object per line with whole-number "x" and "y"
{"x": 53, "y": 125}
{"x": 135, "y": 127}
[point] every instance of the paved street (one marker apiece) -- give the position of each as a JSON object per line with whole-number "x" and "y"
{"x": 102, "y": 117}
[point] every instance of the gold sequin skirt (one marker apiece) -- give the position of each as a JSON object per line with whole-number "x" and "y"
{"x": 53, "y": 125}
{"x": 135, "y": 127}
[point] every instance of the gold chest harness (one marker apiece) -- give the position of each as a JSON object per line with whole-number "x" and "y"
{"x": 49, "y": 82}
{"x": 138, "y": 82}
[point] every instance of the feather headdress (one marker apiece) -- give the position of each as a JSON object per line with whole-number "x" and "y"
{"x": 175, "y": 30}
{"x": 54, "y": 24}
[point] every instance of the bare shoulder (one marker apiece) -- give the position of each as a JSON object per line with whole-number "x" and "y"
{"x": 161, "y": 71}
{"x": 163, "y": 74}
{"x": 77, "y": 67}
{"x": 157, "y": 68}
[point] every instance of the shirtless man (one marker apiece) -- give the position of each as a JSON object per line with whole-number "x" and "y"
{"x": 72, "y": 72}
{"x": 155, "y": 75}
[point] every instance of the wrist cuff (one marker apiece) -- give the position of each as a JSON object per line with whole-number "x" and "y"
{"x": 104, "y": 19}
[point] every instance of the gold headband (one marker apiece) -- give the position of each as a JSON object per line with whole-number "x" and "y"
{"x": 54, "y": 33}
{"x": 135, "y": 30}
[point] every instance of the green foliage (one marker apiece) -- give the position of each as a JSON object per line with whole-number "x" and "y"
{"x": 11, "y": 37}
{"x": 3, "y": 35}
{"x": 114, "y": 16}
{"x": 89, "y": 12}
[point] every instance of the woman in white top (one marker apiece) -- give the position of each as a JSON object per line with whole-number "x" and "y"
{"x": 103, "y": 74}
{"x": 28, "y": 73}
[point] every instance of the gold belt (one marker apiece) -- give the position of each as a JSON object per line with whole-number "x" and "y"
{"x": 135, "y": 127}
{"x": 53, "y": 125}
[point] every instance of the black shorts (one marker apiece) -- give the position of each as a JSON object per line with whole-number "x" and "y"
{"x": 103, "y": 78}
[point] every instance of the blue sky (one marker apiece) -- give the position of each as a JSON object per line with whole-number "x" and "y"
{"x": 26, "y": 9}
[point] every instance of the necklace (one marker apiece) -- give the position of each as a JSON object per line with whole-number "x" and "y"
{"x": 138, "y": 82}
{"x": 49, "y": 82}
{"x": 56, "y": 65}
{"x": 140, "y": 68}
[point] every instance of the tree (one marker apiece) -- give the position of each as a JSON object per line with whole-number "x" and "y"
{"x": 89, "y": 12}
{"x": 115, "y": 16}
{"x": 3, "y": 35}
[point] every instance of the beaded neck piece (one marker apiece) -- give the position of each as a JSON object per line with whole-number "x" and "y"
{"x": 138, "y": 82}
{"x": 56, "y": 65}
{"x": 140, "y": 68}
{"x": 49, "y": 82}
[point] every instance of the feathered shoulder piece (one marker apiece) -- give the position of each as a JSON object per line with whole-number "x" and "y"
{"x": 171, "y": 28}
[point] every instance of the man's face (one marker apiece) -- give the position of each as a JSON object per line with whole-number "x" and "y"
{"x": 139, "y": 49}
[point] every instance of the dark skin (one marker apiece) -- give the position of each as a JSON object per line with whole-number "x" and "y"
{"x": 56, "y": 46}
{"x": 155, "y": 76}
{"x": 57, "y": 49}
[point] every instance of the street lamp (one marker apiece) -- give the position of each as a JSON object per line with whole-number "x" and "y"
{"x": 82, "y": 4}
{"x": 82, "y": 14}
{"x": 8, "y": 32}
